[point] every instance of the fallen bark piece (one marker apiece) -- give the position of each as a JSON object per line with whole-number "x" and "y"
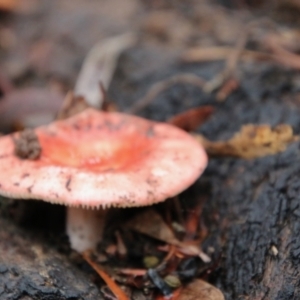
{"x": 252, "y": 141}
{"x": 30, "y": 269}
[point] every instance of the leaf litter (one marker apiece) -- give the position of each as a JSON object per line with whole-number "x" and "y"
{"x": 252, "y": 141}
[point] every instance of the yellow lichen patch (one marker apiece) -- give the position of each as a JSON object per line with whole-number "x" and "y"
{"x": 252, "y": 141}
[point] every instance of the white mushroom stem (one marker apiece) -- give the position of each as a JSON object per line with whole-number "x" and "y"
{"x": 85, "y": 227}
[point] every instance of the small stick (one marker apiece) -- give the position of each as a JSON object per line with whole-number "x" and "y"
{"x": 118, "y": 292}
{"x": 159, "y": 87}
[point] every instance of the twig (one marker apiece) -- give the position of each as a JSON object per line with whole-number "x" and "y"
{"x": 228, "y": 87}
{"x": 234, "y": 57}
{"x": 231, "y": 64}
{"x": 199, "y": 54}
{"x": 121, "y": 248}
{"x": 118, "y": 292}
{"x": 282, "y": 55}
{"x": 170, "y": 254}
{"x": 159, "y": 87}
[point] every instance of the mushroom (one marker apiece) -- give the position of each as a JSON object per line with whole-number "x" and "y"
{"x": 96, "y": 160}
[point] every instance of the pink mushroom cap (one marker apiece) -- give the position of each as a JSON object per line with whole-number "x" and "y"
{"x": 99, "y": 159}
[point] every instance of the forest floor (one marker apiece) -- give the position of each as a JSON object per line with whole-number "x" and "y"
{"x": 240, "y": 59}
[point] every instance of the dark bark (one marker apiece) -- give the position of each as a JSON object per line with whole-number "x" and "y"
{"x": 259, "y": 204}
{"x": 30, "y": 269}
{"x": 253, "y": 206}
{"x": 258, "y": 200}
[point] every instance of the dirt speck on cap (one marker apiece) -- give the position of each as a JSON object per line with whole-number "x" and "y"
{"x": 27, "y": 145}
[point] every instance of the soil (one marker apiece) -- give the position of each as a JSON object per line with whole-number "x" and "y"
{"x": 251, "y": 212}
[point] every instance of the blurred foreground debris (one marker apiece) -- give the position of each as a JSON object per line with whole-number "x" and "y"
{"x": 8, "y": 5}
{"x": 28, "y": 107}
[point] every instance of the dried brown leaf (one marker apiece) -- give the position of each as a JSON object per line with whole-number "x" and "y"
{"x": 191, "y": 119}
{"x": 8, "y": 5}
{"x": 200, "y": 290}
{"x": 71, "y": 106}
{"x": 149, "y": 222}
{"x": 252, "y": 141}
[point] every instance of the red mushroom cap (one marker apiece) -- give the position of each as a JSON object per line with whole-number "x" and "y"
{"x": 103, "y": 159}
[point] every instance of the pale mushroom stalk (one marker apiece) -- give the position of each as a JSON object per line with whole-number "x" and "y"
{"x": 85, "y": 227}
